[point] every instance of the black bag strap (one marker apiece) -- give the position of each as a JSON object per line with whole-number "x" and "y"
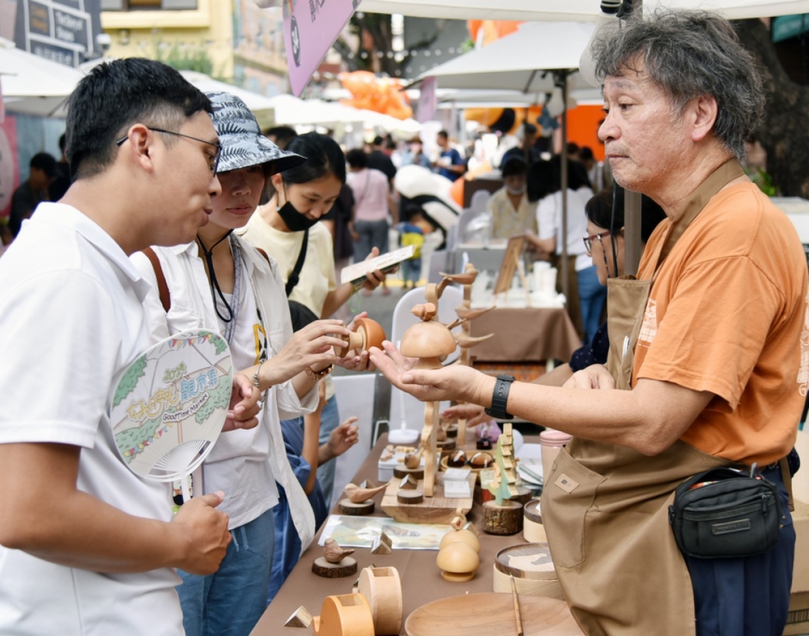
{"x": 296, "y": 271}
{"x": 162, "y": 287}
{"x": 786, "y": 475}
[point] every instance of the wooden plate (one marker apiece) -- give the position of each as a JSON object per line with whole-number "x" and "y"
{"x": 492, "y": 613}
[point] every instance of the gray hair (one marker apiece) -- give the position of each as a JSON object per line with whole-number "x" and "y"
{"x": 690, "y": 54}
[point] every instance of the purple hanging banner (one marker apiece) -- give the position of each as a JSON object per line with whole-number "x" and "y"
{"x": 310, "y": 28}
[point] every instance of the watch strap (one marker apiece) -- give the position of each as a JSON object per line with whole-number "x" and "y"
{"x": 500, "y": 398}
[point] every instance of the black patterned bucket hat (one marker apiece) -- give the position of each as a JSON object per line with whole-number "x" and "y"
{"x": 240, "y": 136}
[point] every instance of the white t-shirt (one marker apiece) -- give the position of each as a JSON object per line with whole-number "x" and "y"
{"x": 71, "y": 319}
{"x": 244, "y": 464}
{"x": 549, "y": 219}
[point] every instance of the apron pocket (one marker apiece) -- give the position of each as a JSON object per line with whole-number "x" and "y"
{"x": 566, "y": 500}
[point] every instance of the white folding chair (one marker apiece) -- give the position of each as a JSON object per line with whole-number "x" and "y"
{"x": 402, "y": 405}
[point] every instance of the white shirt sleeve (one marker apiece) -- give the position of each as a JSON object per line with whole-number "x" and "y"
{"x": 547, "y": 217}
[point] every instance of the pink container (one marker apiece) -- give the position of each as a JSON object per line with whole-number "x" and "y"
{"x": 552, "y": 442}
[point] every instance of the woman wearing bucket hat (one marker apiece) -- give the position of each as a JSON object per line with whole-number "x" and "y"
{"x": 287, "y": 227}
{"x": 220, "y": 282}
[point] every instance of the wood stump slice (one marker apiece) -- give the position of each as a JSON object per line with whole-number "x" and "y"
{"x": 452, "y": 431}
{"x": 447, "y": 445}
{"x": 410, "y": 497}
{"x": 400, "y": 472}
{"x": 524, "y": 495}
{"x": 505, "y": 519}
{"x": 346, "y": 567}
{"x": 348, "y": 507}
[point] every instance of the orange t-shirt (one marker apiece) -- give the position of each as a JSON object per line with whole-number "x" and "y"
{"x": 727, "y": 313}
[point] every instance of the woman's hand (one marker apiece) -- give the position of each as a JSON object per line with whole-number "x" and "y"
{"x": 455, "y": 382}
{"x": 311, "y": 347}
{"x": 472, "y": 413}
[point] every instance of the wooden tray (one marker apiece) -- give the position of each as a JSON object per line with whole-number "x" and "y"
{"x": 435, "y": 509}
{"x": 492, "y": 613}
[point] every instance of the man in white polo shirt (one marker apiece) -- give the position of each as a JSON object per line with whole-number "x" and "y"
{"x": 86, "y": 546}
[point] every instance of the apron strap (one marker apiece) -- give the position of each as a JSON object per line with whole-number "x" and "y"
{"x": 786, "y": 475}
{"x": 717, "y": 180}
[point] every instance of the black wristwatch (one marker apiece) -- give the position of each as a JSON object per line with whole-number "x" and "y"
{"x": 500, "y": 398}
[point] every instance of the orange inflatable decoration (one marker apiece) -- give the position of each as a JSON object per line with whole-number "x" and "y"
{"x": 492, "y": 29}
{"x": 379, "y": 94}
{"x": 504, "y": 120}
{"x": 456, "y": 190}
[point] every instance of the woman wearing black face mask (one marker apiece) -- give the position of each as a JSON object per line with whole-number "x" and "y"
{"x": 288, "y": 224}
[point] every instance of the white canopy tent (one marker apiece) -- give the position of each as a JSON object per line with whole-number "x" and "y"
{"x": 33, "y": 85}
{"x": 577, "y": 10}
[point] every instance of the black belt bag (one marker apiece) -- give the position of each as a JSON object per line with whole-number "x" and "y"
{"x": 724, "y": 513}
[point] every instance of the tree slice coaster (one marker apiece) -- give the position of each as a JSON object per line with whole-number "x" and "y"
{"x": 348, "y": 507}
{"x": 346, "y": 567}
{"x": 505, "y": 519}
{"x": 446, "y": 445}
{"x": 400, "y": 472}
{"x": 452, "y": 431}
{"x": 410, "y": 496}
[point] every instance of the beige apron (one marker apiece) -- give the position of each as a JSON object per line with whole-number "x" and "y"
{"x": 605, "y": 507}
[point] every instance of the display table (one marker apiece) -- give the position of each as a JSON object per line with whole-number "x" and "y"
{"x": 421, "y": 580}
{"x": 525, "y": 335}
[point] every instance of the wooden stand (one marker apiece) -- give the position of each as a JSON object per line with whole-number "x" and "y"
{"x": 383, "y": 590}
{"x": 505, "y": 519}
{"x": 346, "y": 615}
{"x": 435, "y": 509}
{"x": 346, "y": 567}
{"x": 348, "y": 507}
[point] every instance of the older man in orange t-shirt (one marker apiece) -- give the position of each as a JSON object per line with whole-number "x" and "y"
{"x": 711, "y": 350}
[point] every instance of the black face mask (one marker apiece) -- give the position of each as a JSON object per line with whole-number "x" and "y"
{"x": 293, "y": 219}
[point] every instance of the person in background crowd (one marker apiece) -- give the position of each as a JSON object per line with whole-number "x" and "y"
{"x": 411, "y": 232}
{"x": 281, "y": 136}
{"x": 88, "y": 545}
{"x": 449, "y": 164}
{"x": 372, "y": 201}
{"x": 586, "y": 298}
{"x": 708, "y": 366}
{"x": 379, "y": 159}
{"x": 512, "y": 213}
{"x": 526, "y": 150}
{"x": 32, "y": 191}
{"x": 415, "y": 154}
{"x": 595, "y": 169}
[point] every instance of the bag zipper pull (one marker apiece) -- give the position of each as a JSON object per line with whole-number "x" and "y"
{"x": 753, "y": 470}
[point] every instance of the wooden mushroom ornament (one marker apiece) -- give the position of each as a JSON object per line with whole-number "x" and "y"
{"x": 365, "y": 333}
{"x": 430, "y": 342}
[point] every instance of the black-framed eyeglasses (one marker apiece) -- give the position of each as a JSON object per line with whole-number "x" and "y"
{"x": 213, "y": 166}
{"x": 588, "y": 241}
{"x": 588, "y": 245}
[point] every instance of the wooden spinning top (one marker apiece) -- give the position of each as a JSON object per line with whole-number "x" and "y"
{"x": 366, "y": 333}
